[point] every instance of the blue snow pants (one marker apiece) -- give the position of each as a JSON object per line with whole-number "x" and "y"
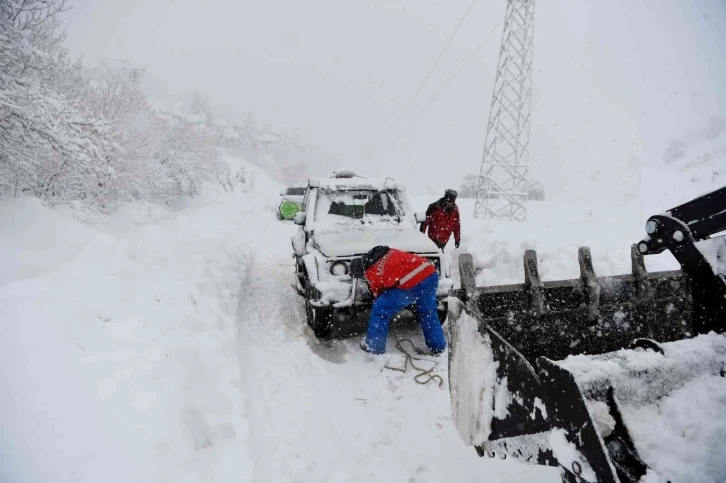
{"x": 423, "y": 297}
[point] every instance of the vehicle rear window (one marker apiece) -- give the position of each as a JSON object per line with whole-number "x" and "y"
{"x": 295, "y": 191}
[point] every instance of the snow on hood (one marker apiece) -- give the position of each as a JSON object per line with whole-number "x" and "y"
{"x": 356, "y": 242}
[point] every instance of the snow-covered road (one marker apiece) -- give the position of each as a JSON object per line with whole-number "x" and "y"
{"x": 171, "y": 346}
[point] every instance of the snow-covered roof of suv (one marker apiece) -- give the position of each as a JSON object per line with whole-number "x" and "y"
{"x": 347, "y": 180}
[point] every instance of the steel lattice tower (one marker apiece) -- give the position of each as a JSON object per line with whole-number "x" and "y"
{"x": 502, "y": 185}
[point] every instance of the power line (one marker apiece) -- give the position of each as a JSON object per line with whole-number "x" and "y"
{"x": 438, "y": 59}
{"x": 435, "y": 96}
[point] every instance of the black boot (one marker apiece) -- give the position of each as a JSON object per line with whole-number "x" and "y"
{"x": 365, "y": 348}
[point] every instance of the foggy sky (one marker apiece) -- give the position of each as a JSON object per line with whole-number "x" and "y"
{"x": 614, "y": 81}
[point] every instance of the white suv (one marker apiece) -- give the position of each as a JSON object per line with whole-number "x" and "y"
{"x": 341, "y": 219}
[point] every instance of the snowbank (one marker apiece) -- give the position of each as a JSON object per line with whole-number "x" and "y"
{"x": 34, "y": 240}
{"x": 119, "y": 348}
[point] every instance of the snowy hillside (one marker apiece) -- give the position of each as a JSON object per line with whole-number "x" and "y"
{"x": 694, "y": 164}
{"x": 171, "y": 346}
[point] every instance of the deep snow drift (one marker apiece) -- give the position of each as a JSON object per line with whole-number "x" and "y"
{"x": 119, "y": 360}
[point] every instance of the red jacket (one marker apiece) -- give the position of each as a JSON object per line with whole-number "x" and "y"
{"x": 397, "y": 269}
{"x": 441, "y": 223}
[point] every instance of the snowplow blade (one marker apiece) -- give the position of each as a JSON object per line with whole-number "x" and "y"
{"x": 606, "y": 378}
{"x": 589, "y": 315}
{"x": 581, "y": 414}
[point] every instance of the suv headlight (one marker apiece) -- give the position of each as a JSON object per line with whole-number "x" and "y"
{"x": 339, "y": 268}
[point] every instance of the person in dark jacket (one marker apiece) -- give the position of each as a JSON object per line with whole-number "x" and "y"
{"x": 442, "y": 219}
{"x": 397, "y": 280}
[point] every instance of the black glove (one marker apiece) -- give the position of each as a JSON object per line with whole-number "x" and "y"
{"x": 456, "y": 245}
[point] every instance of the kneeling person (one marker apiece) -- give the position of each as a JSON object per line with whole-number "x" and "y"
{"x": 398, "y": 280}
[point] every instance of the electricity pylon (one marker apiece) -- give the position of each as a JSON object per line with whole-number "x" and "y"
{"x": 502, "y": 185}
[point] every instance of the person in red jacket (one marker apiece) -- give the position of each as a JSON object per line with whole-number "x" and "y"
{"x": 442, "y": 219}
{"x": 398, "y": 280}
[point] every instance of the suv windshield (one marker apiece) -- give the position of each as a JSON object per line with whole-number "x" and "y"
{"x": 295, "y": 191}
{"x": 356, "y": 204}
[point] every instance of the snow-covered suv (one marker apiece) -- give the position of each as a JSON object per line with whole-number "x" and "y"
{"x": 342, "y": 218}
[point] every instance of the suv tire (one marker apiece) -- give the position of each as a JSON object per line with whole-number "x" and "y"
{"x": 301, "y": 278}
{"x": 320, "y": 319}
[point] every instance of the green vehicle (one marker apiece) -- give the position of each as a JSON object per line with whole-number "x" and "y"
{"x": 291, "y": 202}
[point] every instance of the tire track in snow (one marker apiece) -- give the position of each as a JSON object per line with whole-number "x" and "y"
{"x": 280, "y": 403}
{"x": 298, "y": 405}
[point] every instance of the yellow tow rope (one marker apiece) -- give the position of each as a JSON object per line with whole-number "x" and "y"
{"x": 428, "y": 374}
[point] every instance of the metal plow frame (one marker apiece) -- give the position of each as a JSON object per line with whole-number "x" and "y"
{"x": 547, "y": 397}
{"x": 530, "y": 326}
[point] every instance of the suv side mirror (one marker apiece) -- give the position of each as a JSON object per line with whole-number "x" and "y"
{"x": 420, "y": 217}
{"x": 300, "y": 218}
{"x": 282, "y": 193}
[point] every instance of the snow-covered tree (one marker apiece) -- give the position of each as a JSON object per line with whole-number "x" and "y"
{"x": 49, "y": 148}
{"x": 72, "y": 132}
{"x": 188, "y": 156}
{"x": 112, "y": 91}
{"x": 199, "y": 106}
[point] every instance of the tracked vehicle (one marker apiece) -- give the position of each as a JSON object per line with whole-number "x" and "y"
{"x": 610, "y": 379}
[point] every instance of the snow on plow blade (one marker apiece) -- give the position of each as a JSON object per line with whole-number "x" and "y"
{"x": 608, "y": 378}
